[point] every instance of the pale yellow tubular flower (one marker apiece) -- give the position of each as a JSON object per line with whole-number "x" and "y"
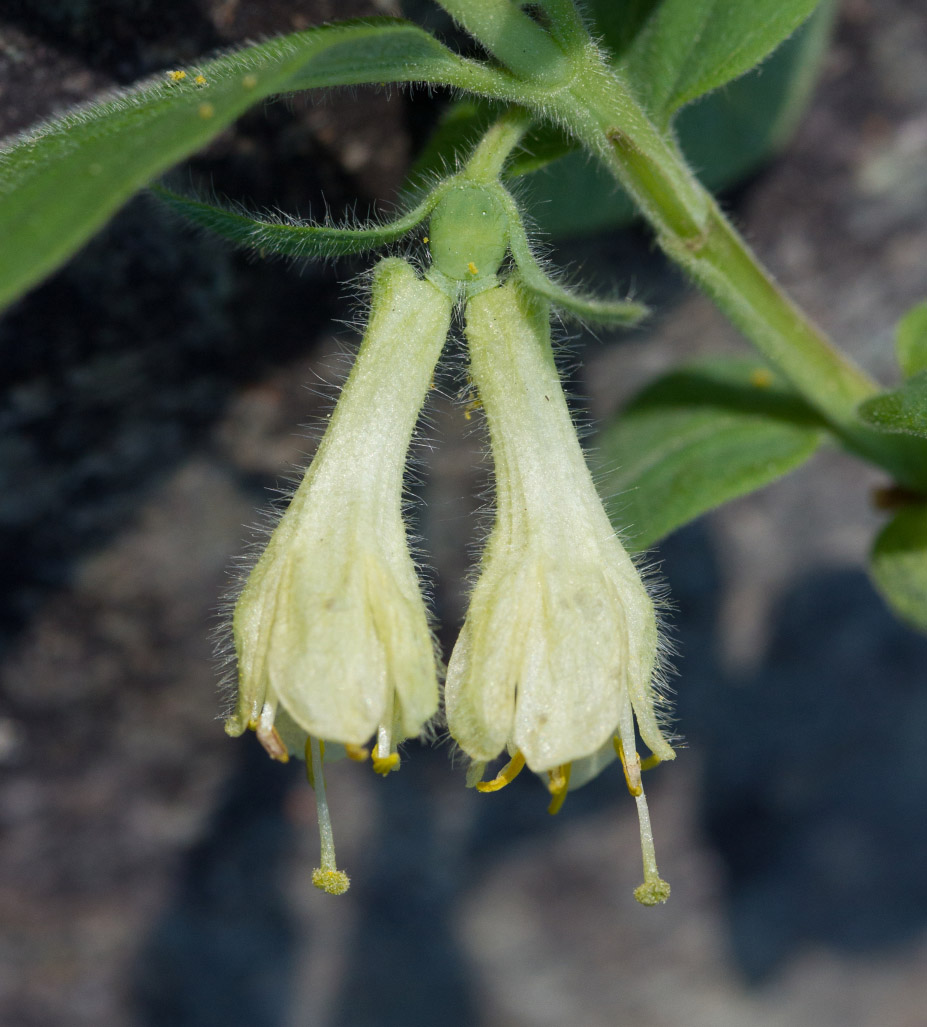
{"x": 331, "y": 632}
{"x": 557, "y": 654}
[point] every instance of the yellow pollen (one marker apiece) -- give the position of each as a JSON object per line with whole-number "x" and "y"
{"x": 472, "y": 406}
{"x": 472, "y": 268}
{"x": 356, "y": 752}
{"x": 632, "y": 771}
{"x": 558, "y": 783}
{"x": 249, "y": 81}
{"x": 200, "y": 80}
{"x": 652, "y": 893}
{"x": 426, "y": 240}
{"x": 761, "y": 378}
{"x": 334, "y": 882}
{"x": 505, "y": 776}
{"x": 384, "y": 764}
{"x": 176, "y": 76}
{"x": 206, "y": 111}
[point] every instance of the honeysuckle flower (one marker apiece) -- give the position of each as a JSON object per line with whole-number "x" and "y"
{"x": 331, "y": 632}
{"x": 556, "y": 659}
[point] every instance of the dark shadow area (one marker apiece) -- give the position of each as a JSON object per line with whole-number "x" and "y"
{"x": 123, "y": 38}
{"x": 221, "y": 952}
{"x": 114, "y": 371}
{"x": 814, "y": 777}
{"x": 406, "y": 963}
{"x": 116, "y": 367}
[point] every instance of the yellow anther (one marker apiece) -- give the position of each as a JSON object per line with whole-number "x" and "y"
{"x": 200, "y": 80}
{"x": 472, "y": 268}
{"x": 651, "y": 762}
{"x": 356, "y": 752}
{"x": 761, "y": 378}
{"x": 176, "y": 76}
{"x": 206, "y": 111}
{"x": 632, "y": 772}
{"x": 425, "y": 240}
{"x": 249, "y": 81}
{"x": 505, "y": 776}
{"x": 384, "y": 764}
{"x": 335, "y": 882}
{"x": 273, "y": 744}
{"x": 558, "y": 783}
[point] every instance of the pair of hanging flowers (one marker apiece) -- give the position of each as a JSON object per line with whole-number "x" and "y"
{"x": 555, "y": 666}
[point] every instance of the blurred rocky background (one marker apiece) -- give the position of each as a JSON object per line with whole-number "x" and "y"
{"x": 155, "y": 873}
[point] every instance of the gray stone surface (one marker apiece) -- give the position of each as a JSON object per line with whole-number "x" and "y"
{"x": 152, "y": 872}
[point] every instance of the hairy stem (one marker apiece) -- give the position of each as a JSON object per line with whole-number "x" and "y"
{"x": 493, "y": 150}
{"x": 692, "y": 231}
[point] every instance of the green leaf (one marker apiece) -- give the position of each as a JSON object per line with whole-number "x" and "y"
{"x": 689, "y": 47}
{"x": 898, "y": 565}
{"x": 290, "y": 238}
{"x": 61, "y": 181}
{"x": 694, "y": 439}
{"x": 902, "y": 411}
{"x": 911, "y": 341}
{"x": 619, "y": 21}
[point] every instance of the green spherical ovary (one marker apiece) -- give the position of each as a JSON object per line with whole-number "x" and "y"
{"x": 468, "y": 233}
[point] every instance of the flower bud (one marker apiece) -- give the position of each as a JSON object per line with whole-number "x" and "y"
{"x": 331, "y": 623}
{"x": 331, "y": 632}
{"x": 557, "y": 655}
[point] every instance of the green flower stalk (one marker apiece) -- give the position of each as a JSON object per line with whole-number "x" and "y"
{"x": 556, "y": 658}
{"x": 331, "y": 632}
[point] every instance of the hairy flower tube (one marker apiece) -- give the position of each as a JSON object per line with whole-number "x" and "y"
{"x": 556, "y": 659}
{"x": 331, "y": 632}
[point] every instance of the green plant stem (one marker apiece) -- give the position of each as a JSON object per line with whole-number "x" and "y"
{"x": 693, "y": 231}
{"x": 593, "y": 102}
{"x": 493, "y": 150}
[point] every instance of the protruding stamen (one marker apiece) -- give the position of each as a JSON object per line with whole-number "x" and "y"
{"x": 558, "y": 784}
{"x": 654, "y": 890}
{"x": 384, "y": 764}
{"x": 327, "y": 877}
{"x": 651, "y": 762}
{"x": 358, "y": 753}
{"x": 384, "y": 742}
{"x": 631, "y": 765}
{"x": 505, "y": 776}
{"x": 385, "y": 758}
{"x": 269, "y": 736}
